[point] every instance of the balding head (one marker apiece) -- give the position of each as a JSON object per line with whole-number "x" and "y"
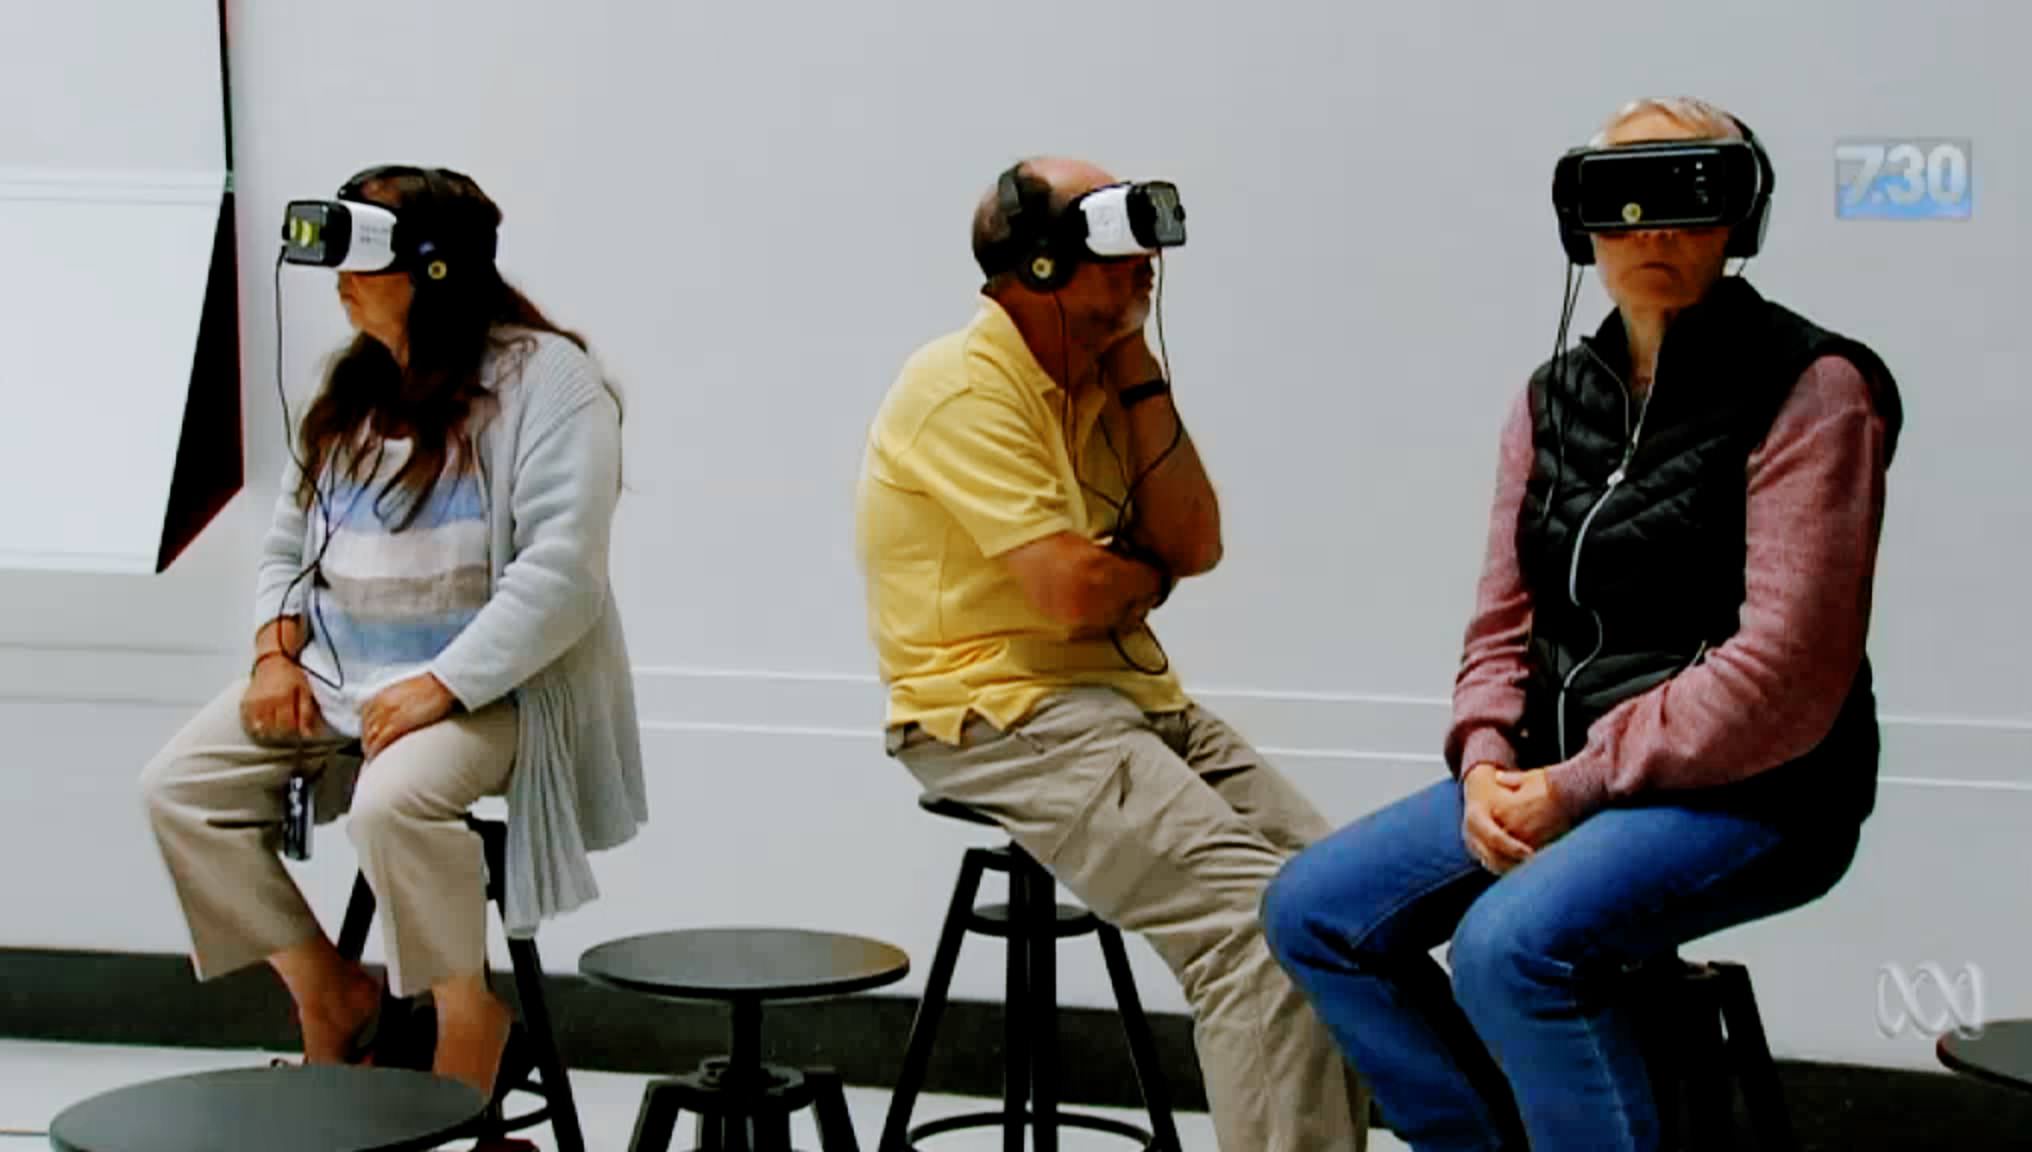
{"x": 1061, "y": 180}
{"x": 1670, "y": 118}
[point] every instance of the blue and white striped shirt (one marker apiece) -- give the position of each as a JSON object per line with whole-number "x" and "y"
{"x": 390, "y": 600}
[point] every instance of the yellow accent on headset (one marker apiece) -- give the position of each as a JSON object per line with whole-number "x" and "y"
{"x": 1632, "y": 212}
{"x": 437, "y": 270}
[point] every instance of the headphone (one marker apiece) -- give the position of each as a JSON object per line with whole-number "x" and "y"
{"x": 1746, "y": 236}
{"x": 1039, "y": 248}
{"x": 430, "y": 242}
{"x": 1746, "y": 239}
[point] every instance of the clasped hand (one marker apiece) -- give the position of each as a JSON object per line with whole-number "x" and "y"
{"x": 1509, "y": 815}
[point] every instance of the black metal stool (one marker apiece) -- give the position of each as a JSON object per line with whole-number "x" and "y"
{"x": 742, "y": 1101}
{"x": 1033, "y": 923}
{"x": 531, "y": 1063}
{"x": 1704, "y": 1042}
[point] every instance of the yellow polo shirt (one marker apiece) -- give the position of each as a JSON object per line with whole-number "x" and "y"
{"x": 969, "y": 457}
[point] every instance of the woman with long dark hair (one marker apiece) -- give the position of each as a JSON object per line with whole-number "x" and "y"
{"x": 434, "y": 625}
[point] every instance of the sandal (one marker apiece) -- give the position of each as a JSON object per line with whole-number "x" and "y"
{"x": 361, "y": 1045}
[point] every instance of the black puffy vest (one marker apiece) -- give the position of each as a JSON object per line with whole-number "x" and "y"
{"x": 1632, "y": 537}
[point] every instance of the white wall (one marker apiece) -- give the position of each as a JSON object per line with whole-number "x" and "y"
{"x": 112, "y": 164}
{"x": 756, "y": 210}
{"x": 121, "y": 85}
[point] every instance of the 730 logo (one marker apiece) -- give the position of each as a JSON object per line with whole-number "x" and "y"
{"x": 1904, "y": 179}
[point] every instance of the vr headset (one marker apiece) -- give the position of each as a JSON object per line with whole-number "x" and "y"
{"x": 343, "y": 235}
{"x": 1664, "y": 184}
{"x": 1111, "y": 223}
{"x": 353, "y": 234}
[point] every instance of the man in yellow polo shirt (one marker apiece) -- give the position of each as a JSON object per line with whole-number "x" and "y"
{"x": 1029, "y": 495}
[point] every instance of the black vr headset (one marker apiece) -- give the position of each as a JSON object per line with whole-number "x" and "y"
{"x": 1044, "y": 249}
{"x": 1665, "y": 184}
{"x": 354, "y": 234}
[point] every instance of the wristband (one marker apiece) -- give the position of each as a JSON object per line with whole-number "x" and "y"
{"x": 1149, "y": 389}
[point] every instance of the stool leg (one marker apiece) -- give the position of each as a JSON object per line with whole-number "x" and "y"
{"x": 1016, "y": 1009}
{"x": 771, "y": 1132}
{"x": 1763, "y": 1095}
{"x": 557, "y": 1086}
{"x": 1142, "y": 1045}
{"x": 656, "y": 1121}
{"x": 1040, "y": 934}
{"x": 829, "y": 1107}
{"x": 937, "y": 985}
{"x": 714, "y": 1130}
{"x": 359, "y": 918}
{"x": 1709, "y": 1097}
{"x": 1664, "y": 1063}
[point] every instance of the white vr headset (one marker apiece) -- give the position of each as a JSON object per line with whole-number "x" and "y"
{"x": 344, "y": 235}
{"x": 1132, "y": 219}
{"x": 1044, "y": 248}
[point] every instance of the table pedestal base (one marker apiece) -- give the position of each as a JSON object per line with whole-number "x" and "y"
{"x": 743, "y": 1104}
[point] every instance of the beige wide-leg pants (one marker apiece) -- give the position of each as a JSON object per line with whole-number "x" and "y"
{"x": 1171, "y": 826}
{"x": 215, "y": 799}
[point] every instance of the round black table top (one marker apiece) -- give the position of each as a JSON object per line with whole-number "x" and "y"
{"x": 746, "y": 964}
{"x": 2002, "y": 1054}
{"x": 321, "y": 1108}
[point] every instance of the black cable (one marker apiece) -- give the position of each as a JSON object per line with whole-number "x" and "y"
{"x": 1555, "y": 380}
{"x": 314, "y": 570}
{"x": 1125, "y": 510}
{"x": 1127, "y": 507}
{"x": 1164, "y": 370}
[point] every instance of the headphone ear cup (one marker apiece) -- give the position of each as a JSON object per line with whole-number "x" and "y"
{"x": 1746, "y": 239}
{"x": 1045, "y": 270}
{"x": 429, "y": 262}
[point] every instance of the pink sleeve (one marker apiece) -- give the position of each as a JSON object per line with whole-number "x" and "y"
{"x": 1488, "y": 691}
{"x": 1772, "y": 691}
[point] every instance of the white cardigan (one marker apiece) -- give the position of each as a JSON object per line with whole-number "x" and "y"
{"x": 550, "y": 633}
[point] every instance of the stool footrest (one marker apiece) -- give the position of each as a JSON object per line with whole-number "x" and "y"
{"x": 1079, "y": 1120}
{"x": 996, "y": 919}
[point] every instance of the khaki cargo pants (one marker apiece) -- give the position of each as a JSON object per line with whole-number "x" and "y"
{"x": 215, "y": 801}
{"x": 1171, "y": 826}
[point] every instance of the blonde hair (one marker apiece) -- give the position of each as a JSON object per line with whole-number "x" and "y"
{"x": 1690, "y": 112}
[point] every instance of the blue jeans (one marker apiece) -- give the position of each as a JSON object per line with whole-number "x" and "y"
{"x": 1520, "y": 1043}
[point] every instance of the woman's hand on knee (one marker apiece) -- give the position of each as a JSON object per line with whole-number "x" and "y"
{"x": 402, "y": 708}
{"x": 1488, "y": 841}
{"x": 278, "y": 705}
{"x": 1525, "y": 804}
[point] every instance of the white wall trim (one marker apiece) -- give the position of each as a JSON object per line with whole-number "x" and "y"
{"x": 1939, "y": 751}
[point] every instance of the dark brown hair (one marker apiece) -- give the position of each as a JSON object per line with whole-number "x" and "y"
{"x": 462, "y": 313}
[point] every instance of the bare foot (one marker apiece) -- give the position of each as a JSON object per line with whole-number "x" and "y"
{"x": 472, "y": 1034}
{"x": 334, "y": 997}
{"x": 332, "y": 1023}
